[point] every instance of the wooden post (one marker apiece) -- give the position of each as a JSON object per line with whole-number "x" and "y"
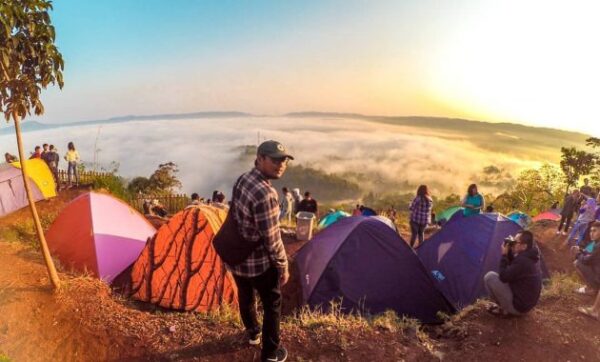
{"x": 36, "y": 219}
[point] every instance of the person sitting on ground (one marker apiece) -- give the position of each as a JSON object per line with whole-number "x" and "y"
{"x": 420, "y": 215}
{"x": 308, "y": 204}
{"x": 357, "y": 211}
{"x": 195, "y": 200}
{"x": 554, "y": 206}
{"x": 158, "y": 209}
{"x": 489, "y": 208}
{"x": 516, "y": 289}
{"x": 37, "y": 153}
{"x": 10, "y": 158}
{"x": 587, "y": 264}
{"x": 473, "y": 202}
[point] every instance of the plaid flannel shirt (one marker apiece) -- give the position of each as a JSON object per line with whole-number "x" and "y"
{"x": 421, "y": 210}
{"x": 256, "y": 210}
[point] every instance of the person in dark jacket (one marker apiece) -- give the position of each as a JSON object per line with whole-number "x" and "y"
{"x": 587, "y": 264}
{"x": 516, "y": 289}
{"x": 308, "y": 204}
{"x": 570, "y": 205}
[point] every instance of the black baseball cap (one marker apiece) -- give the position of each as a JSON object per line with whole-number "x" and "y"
{"x": 273, "y": 149}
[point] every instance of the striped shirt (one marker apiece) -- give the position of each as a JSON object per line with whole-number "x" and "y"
{"x": 256, "y": 211}
{"x": 420, "y": 209}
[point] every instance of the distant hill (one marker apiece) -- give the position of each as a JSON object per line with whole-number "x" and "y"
{"x": 541, "y": 142}
{"x": 35, "y": 126}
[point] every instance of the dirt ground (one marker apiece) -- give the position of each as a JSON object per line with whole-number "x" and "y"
{"x": 86, "y": 321}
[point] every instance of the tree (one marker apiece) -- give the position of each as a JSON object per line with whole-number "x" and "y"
{"x": 164, "y": 179}
{"x": 29, "y": 62}
{"x": 575, "y": 163}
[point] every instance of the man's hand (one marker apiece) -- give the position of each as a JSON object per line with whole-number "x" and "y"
{"x": 284, "y": 276}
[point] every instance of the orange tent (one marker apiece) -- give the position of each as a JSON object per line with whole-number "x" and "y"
{"x": 180, "y": 269}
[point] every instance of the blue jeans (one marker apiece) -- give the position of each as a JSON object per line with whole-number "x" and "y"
{"x": 578, "y": 231}
{"x": 72, "y": 169}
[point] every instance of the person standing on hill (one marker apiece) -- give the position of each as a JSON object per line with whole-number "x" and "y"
{"x": 286, "y": 205}
{"x": 308, "y": 204}
{"x": 52, "y": 158}
{"x": 586, "y": 215}
{"x": 297, "y": 199}
{"x": 586, "y": 189}
{"x": 37, "y": 153}
{"x": 256, "y": 211}
{"x": 420, "y": 215}
{"x": 72, "y": 158}
{"x": 44, "y": 150}
{"x": 473, "y": 202}
{"x": 570, "y": 205}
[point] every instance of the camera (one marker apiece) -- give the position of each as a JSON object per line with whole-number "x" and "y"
{"x": 510, "y": 241}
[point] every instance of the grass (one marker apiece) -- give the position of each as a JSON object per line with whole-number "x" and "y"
{"x": 334, "y": 317}
{"x": 4, "y": 358}
{"x": 24, "y": 231}
{"x": 561, "y": 285}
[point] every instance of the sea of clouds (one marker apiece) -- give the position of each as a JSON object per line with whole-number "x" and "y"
{"x": 207, "y": 150}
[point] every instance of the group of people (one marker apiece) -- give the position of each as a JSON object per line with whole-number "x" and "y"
{"x": 292, "y": 203}
{"x": 585, "y": 203}
{"x": 49, "y": 154}
{"x": 421, "y": 210}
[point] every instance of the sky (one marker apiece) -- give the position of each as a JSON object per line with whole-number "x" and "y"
{"x": 529, "y": 62}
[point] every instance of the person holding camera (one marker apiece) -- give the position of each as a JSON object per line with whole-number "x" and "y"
{"x": 516, "y": 288}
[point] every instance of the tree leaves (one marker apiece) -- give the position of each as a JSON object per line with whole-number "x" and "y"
{"x": 29, "y": 60}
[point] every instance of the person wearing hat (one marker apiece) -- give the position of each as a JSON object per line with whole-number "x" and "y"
{"x": 255, "y": 208}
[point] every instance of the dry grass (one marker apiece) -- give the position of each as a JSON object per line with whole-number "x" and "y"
{"x": 561, "y": 285}
{"x": 4, "y": 358}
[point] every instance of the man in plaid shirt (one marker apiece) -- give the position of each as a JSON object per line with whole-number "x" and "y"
{"x": 256, "y": 211}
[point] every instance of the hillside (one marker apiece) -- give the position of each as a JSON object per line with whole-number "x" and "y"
{"x": 87, "y": 321}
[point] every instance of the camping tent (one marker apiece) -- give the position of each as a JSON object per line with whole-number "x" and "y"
{"x": 520, "y": 218}
{"x": 365, "y": 264}
{"x": 367, "y": 211}
{"x": 463, "y": 251}
{"x": 547, "y": 215}
{"x": 98, "y": 233}
{"x": 12, "y": 190}
{"x": 445, "y": 215}
{"x": 179, "y": 268}
{"x": 331, "y": 218}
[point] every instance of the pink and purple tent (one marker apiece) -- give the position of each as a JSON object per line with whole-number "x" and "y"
{"x": 100, "y": 234}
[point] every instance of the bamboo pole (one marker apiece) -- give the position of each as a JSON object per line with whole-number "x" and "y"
{"x": 36, "y": 219}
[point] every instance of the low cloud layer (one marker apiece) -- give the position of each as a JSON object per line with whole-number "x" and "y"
{"x": 205, "y": 150}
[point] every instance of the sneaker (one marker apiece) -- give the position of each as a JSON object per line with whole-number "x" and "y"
{"x": 563, "y": 233}
{"x": 557, "y": 232}
{"x": 280, "y": 355}
{"x": 253, "y": 338}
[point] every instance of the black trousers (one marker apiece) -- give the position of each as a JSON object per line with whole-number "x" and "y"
{"x": 269, "y": 290}
{"x": 416, "y": 231}
{"x": 564, "y": 218}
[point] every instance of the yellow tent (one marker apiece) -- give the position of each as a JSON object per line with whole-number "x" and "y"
{"x": 40, "y": 174}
